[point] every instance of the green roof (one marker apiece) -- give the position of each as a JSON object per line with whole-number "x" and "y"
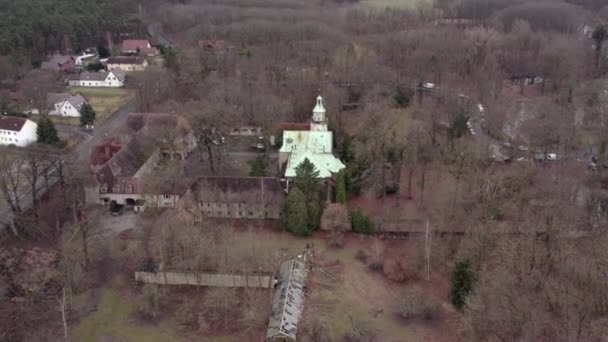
{"x": 314, "y": 145}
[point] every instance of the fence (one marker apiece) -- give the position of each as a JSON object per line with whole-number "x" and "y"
{"x": 205, "y": 279}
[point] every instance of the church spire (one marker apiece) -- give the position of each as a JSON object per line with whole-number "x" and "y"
{"x": 319, "y": 118}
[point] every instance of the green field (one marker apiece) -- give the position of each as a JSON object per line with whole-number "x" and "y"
{"x": 113, "y": 321}
{"x": 105, "y": 101}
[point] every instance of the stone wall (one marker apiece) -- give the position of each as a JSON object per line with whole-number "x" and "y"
{"x": 205, "y": 279}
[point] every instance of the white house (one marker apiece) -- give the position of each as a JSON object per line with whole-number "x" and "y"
{"x": 127, "y": 63}
{"x": 114, "y": 79}
{"x": 17, "y": 131}
{"x": 65, "y": 104}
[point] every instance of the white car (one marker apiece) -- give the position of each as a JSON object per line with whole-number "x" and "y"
{"x": 480, "y": 107}
{"x": 552, "y": 156}
{"x": 522, "y": 148}
{"x": 429, "y": 85}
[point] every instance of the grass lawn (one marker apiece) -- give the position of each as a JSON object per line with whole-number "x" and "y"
{"x": 112, "y": 320}
{"x": 105, "y": 101}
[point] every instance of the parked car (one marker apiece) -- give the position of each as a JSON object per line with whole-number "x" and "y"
{"x": 480, "y": 108}
{"x": 427, "y": 86}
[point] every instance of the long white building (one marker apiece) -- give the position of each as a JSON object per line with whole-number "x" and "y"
{"x": 114, "y": 79}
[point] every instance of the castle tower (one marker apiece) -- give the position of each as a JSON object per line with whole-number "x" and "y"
{"x": 319, "y": 119}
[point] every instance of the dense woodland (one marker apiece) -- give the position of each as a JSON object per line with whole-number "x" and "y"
{"x": 35, "y": 28}
{"x": 530, "y": 263}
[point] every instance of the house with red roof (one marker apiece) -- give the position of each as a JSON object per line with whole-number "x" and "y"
{"x": 135, "y": 47}
{"x": 17, "y": 131}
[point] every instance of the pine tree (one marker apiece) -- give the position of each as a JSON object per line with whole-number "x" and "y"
{"x": 307, "y": 179}
{"x": 296, "y": 213}
{"x": 462, "y": 283}
{"x": 258, "y": 168}
{"x": 314, "y": 215}
{"x": 46, "y": 132}
{"x": 87, "y": 115}
{"x": 341, "y": 188}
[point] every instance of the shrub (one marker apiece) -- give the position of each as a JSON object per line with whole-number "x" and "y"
{"x": 361, "y": 223}
{"x": 462, "y": 283}
{"x": 411, "y": 303}
{"x": 401, "y": 268}
{"x": 341, "y": 188}
{"x": 376, "y": 266}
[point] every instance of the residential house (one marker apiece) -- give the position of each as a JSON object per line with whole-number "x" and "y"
{"x": 111, "y": 79}
{"x": 132, "y": 47}
{"x": 233, "y": 197}
{"x": 316, "y": 145}
{"x": 65, "y": 104}
{"x": 17, "y": 131}
{"x": 59, "y": 63}
{"x": 127, "y": 63}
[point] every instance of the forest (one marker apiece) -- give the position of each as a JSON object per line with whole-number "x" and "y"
{"x": 473, "y": 203}
{"x": 39, "y": 27}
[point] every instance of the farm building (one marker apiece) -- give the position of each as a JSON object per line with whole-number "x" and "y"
{"x": 288, "y": 302}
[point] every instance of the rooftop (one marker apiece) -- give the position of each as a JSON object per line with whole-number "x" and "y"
{"x": 125, "y": 60}
{"x": 12, "y": 123}
{"x": 76, "y": 100}
{"x": 246, "y": 189}
{"x": 288, "y": 301}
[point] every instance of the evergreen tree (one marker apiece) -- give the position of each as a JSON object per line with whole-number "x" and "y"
{"x": 307, "y": 178}
{"x": 314, "y": 215}
{"x": 599, "y": 35}
{"x": 360, "y": 223}
{"x": 347, "y": 154}
{"x": 402, "y": 98}
{"x": 296, "y": 213}
{"x": 258, "y": 168}
{"x": 462, "y": 283}
{"x": 46, "y": 131}
{"x": 458, "y": 128}
{"x": 87, "y": 115}
{"x": 103, "y": 51}
{"x": 341, "y": 187}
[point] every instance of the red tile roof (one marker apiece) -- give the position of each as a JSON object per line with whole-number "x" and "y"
{"x": 12, "y": 123}
{"x": 134, "y": 45}
{"x": 102, "y": 153}
{"x": 292, "y": 126}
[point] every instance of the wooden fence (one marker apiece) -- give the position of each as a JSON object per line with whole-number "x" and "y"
{"x": 205, "y": 279}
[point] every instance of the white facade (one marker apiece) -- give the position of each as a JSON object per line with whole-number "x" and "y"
{"x": 128, "y": 66}
{"x": 319, "y": 118}
{"x": 65, "y": 108}
{"x": 111, "y": 80}
{"x": 25, "y": 136}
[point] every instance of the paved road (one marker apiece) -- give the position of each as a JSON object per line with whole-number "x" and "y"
{"x": 81, "y": 152}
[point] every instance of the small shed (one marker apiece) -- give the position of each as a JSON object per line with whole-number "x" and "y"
{"x": 288, "y": 302}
